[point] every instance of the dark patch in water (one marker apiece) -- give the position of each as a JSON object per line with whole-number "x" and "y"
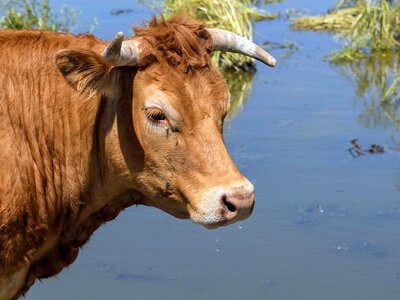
{"x": 370, "y": 248}
{"x": 136, "y": 277}
{"x": 267, "y": 285}
{"x": 389, "y": 214}
{"x": 310, "y": 215}
{"x": 105, "y": 266}
{"x": 141, "y": 277}
{"x": 117, "y": 12}
{"x": 267, "y": 282}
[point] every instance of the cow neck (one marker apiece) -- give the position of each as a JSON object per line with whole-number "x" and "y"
{"x": 115, "y": 152}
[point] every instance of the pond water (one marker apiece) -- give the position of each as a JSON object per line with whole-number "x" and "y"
{"x": 325, "y": 226}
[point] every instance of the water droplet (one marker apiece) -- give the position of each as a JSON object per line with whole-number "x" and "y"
{"x": 240, "y": 226}
{"x": 216, "y": 246}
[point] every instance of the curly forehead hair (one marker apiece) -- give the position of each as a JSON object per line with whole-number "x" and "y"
{"x": 181, "y": 41}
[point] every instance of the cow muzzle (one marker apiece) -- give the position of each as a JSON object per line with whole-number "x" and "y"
{"x": 222, "y": 206}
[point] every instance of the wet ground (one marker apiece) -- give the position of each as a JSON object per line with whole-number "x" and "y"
{"x": 325, "y": 226}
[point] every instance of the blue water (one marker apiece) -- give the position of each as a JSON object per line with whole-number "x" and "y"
{"x": 325, "y": 226}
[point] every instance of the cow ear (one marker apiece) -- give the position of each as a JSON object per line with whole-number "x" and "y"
{"x": 84, "y": 70}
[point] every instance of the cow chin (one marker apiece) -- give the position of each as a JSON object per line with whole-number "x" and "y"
{"x": 209, "y": 220}
{"x": 214, "y": 220}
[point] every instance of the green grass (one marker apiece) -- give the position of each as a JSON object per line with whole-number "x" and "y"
{"x": 335, "y": 21}
{"x": 365, "y": 26}
{"x": 35, "y": 14}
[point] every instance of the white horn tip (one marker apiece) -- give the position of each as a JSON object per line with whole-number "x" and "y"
{"x": 272, "y": 62}
{"x": 265, "y": 57}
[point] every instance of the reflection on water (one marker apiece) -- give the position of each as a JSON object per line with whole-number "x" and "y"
{"x": 239, "y": 85}
{"x": 376, "y": 83}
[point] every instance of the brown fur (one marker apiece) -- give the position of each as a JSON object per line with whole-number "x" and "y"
{"x": 184, "y": 43}
{"x": 75, "y": 147}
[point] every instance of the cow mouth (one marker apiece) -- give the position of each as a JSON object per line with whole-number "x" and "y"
{"x": 212, "y": 226}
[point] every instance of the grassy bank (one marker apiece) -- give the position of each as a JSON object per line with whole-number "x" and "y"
{"x": 365, "y": 26}
{"x": 370, "y": 35}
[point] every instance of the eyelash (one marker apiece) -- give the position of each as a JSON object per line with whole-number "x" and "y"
{"x": 156, "y": 117}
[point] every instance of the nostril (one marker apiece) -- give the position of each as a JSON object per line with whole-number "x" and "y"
{"x": 228, "y": 205}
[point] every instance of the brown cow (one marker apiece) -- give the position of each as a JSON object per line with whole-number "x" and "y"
{"x": 88, "y": 128}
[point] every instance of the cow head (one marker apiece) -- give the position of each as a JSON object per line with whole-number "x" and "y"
{"x": 178, "y": 102}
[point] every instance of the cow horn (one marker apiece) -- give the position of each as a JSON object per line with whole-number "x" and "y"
{"x": 224, "y": 40}
{"x": 122, "y": 53}
{"x": 126, "y": 53}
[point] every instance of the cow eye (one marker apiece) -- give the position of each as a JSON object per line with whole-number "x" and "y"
{"x": 158, "y": 116}
{"x": 155, "y": 115}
